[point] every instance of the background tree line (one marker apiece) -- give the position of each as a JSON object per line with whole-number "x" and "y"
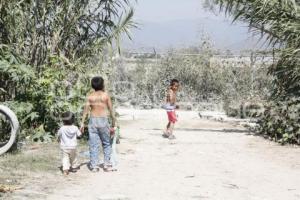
{"x": 223, "y": 82}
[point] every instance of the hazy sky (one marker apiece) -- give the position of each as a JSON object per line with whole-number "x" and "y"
{"x": 167, "y": 10}
{"x": 177, "y": 23}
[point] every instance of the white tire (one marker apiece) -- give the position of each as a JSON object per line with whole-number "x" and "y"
{"x": 14, "y": 124}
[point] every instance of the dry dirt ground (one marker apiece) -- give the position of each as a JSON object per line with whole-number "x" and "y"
{"x": 208, "y": 160}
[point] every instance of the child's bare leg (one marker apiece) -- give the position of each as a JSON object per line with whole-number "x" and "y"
{"x": 167, "y": 131}
{"x": 168, "y": 127}
{"x": 171, "y": 128}
{"x": 171, "y": 136}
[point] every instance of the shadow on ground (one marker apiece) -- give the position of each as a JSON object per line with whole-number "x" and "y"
{"x": 204, "y": 130}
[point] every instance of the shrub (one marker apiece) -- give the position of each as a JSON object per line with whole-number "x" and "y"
{"x": 281, "y": 121}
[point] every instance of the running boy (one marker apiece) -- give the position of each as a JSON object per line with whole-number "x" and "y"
{"x": 97, "y": 104}
{"x": 170, "y": 107}
{"x": 67, "y": 136}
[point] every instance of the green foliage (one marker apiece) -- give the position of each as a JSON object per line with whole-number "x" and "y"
{"x": 15, "y": 77}
{"x": 278, "y": 20}
{"x": 281, "y": 121}
{"x": 40, "y": 135}
{"x": 287, "y": 74}
{"x": 279, "y": 23}
{"x": 48, "y": 52}
{"x": 72, "y": 28}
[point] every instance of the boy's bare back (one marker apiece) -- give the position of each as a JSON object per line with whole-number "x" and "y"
{"x": 98, "y": 102}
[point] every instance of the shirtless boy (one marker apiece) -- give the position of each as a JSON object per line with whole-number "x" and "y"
{"x": 171, "y": 106}
{"x": 97, "y": 104}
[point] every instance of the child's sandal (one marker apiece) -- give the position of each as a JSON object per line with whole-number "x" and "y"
{"x": 108, "y": 168}
{"x": 171, "y": 137}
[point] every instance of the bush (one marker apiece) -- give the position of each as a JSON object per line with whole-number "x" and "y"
{"x": 281, "y": 121}
{"x": 39, "y": 101}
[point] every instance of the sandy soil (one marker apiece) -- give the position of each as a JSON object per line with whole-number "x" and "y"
{"x": 208, "y": 160}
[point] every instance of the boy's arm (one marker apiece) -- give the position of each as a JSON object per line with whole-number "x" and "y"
{"x": 111, "y": 111}
{"x": 85, "y": 112}
{"x": 78, "y": 133}
{"x": 175, "y": 101}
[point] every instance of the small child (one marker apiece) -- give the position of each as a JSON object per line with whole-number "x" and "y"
{"x": 67, "y": 136}
{"x": 170, "y": 106}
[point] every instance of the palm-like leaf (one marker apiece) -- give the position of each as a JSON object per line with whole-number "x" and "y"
{"x": 279, "y": 23}
{"x": 36, "y": 29}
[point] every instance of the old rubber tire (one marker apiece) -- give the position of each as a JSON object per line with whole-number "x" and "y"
{"x": 14, "y": 123}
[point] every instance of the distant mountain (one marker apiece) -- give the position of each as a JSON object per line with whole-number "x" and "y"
{"x": 184, "y": 33}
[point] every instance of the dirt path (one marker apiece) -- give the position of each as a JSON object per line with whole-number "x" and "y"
{"x": 208, "y": 160}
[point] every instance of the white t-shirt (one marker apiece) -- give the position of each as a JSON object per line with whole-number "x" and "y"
{"x": 68, "y": 136}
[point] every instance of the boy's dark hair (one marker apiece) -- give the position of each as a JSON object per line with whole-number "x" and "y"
{"x": 97, "y": 83}
{"x": 68, "y": 118}
{"x": 173, "y": 81}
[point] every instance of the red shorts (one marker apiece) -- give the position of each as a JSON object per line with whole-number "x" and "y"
{"x": 172, "y": 116}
